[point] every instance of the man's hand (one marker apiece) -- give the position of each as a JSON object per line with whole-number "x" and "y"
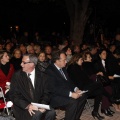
{"x": 100, "y": 73}
{"x": 75, "y": 95}
{"x": 31, "y": 108}
{"x": 78, "y": 91}
{"x": 42, "y": 110}
{"x": 111, "y": 77}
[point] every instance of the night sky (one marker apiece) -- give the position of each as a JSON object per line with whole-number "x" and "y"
{"x": 51, "y": 17}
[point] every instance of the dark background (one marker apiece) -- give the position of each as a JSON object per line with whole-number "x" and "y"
{"x": 47, "y": 17}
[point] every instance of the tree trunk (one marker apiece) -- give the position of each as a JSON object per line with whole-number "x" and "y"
{"x": 79, "y": 13}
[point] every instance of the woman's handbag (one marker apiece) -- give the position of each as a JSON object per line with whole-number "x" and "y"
{"x": 103, "y": 80}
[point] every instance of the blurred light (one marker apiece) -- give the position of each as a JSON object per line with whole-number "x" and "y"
{"x": 17, "y": 27}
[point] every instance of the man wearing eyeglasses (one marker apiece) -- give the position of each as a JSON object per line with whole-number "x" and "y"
{"x": 30, "y": 85}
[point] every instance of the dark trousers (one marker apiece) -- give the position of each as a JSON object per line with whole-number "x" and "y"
{"x": 116, "y": 88}
{"x": 48, "y": 115}
{"x": 106, "y": 98}
{"x": 74, "y": 108}
{"x": 95, "y": 90}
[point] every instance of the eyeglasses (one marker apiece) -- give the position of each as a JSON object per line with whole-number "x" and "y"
{"x": 25, "y": 62}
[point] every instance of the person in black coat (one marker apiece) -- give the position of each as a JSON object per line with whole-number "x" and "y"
{"x": 102, "y": 66}
{"x": 81, "y": 79}
{"x": 26, "y": 89}
{"x": 42, "y": 63}
{"x": 64, "y": 94}
{"x": 16, "y": 59}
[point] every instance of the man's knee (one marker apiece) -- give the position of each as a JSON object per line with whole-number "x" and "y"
{"x": 37, "y": 115}
{"x": 51, "y": 112}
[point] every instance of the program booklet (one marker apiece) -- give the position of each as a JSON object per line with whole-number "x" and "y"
{"x": 47, "y": 107}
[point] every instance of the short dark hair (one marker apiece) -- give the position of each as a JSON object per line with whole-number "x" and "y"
{"x": 84, "y": 55}
{"x": 101, "y": 50}
{"x": 56, "y": 55}
{"x": 65, "y": 49}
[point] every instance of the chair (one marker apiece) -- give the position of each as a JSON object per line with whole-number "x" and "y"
{"x": 89, "y": 104}
{"x": 5, "y": 105}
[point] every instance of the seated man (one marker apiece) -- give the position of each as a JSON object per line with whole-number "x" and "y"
{"x": 63, "y": 93}
{"x": 30, "y": 85}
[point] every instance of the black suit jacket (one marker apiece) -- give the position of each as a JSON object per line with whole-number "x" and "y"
{"x": 20, "y": 93}
{"x": 59, "y": 86}
{"x": 99, "y": 67}
{"x": 79, "y": 77}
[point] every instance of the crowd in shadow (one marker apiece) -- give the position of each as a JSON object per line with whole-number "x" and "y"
{"x": 90, "y": 66}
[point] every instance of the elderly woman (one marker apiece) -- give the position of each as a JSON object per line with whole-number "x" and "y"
{"x": 81, "y": 79}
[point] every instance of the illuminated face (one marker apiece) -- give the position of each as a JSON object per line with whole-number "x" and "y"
{"x": 42, "y": 57}
{"x": 17, "y": 54}
{"x": 68, "y": 52}
{"x": 62, "y": 61}
{"x": 80, "y": 61}
{"x": 89, "y": 58}
{"x": 5, "y": 58}
{"x": 103, "y": 55}
{"x": 27, "y": 66}
{"x": 8, "y": 47}
{"x": 31, "y": 50}
{"x": 48, "y": 50}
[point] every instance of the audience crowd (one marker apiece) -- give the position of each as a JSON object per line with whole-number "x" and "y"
{"x": 89, "y": 66}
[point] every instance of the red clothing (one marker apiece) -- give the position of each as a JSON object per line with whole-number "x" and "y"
{"x": 4, "y": 78}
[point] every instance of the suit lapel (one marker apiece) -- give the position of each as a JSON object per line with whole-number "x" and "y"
{"x": 58, "y": 72}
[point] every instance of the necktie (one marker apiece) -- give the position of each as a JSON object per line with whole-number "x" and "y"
{"x": 62, "y": 73}
{"x": 30, "y": 86}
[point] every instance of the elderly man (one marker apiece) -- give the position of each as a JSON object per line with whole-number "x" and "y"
{"x": 30, "y": 85}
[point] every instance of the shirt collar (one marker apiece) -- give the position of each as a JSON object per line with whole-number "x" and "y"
{"x": 33, "y": 72}
{"x": 57, "y": 67}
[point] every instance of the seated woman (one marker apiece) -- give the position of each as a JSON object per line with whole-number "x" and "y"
{"x": 6, "y": 69}
{"x": 88, "y": 66}
{"x": 101, "y": 65}
{"x": 16, "y": 59}
{"x": 6, "y": 72}
{"x": 82, "y": 80}
{"x": 67, "y": 50}
{"x": 42, "y": 63}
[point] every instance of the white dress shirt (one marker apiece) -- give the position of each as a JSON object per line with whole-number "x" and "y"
{"x": 103, "y": 63}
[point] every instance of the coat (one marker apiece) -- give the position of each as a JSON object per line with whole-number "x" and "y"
{"x": 20, "y": 93}
{"x": 4, "y": 78}
{"x": 59, "y": 86}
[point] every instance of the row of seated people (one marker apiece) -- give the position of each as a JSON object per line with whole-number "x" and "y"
{"x": 60, "y": 62}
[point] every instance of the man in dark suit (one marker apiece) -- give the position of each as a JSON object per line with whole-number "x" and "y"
{"x": 63, "y": 92}
{"x": 30, "y": 85}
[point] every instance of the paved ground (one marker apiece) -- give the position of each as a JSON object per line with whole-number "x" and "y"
{"x": 86, "y": 115}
